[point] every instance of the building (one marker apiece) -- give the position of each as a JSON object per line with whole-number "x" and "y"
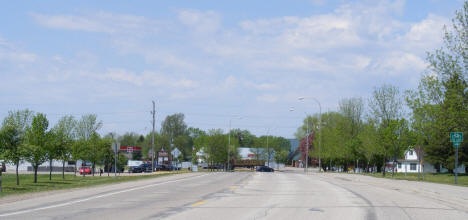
{"x": 412, "y": 163}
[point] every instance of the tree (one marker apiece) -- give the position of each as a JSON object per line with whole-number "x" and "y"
{"x": 281, "y": 156}
{"x": 439, "y": 106}
{"x": 64, "y": 133}
{"x": 14, "y": 128}
{"x": 37, "y": 139}
{"x": 174, "y": 126}
{"x": 352, "y": 111}
{"x": 86, "y": 132}
{"x": 9, "y": 139}
{"x": 87, "y": 126}
{"x": 385, "y": 106}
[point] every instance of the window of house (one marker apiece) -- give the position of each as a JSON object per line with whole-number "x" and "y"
{"x": 399, "y": 165}
{"x": 411, "y": 152}
{"x": 412, "y": 166}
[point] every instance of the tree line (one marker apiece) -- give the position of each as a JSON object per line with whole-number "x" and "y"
{"x": 27, "y": 136}
{"x": 397, "y": 120}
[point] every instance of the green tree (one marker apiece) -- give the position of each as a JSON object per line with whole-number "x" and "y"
{"x": 87, "y": 146}
{"x": 37, "y": 138}
{"x": 385, "y": 106}
{"x": 15, "y": 127}
{"x": 174, "y": 126}
{"x": 64, "y": 133}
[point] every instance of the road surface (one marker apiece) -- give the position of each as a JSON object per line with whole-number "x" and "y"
{"x": 244, "y": 195}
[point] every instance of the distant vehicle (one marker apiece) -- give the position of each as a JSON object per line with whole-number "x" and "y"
{"x": 144, "y": 167}
{"x": 85, "y": 170}
{"x": 3, "y": 167}
{"x": 166, "y": 167}
{"x": 265, "y": 169}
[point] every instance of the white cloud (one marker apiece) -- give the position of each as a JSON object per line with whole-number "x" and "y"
{"x": 145, "y": 78}
{"x": 11, "y": 53}
{"x": 102, "y": 22}
{"x": 205, "y": 22}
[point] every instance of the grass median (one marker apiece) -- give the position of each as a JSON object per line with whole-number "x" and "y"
{"x": 444, "y": 178}
{"x": 57, "y": 183}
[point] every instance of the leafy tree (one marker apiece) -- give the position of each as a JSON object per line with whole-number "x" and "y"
{"x": 37, "y": 138}
{"x": 14, "y": 129}
{"x": 86, "y": 132}
{"x": 385, "y": 106}
{"x": 281, "y": 156}
{"x": 439, "y": 106}
{"x": 64, "y": 133}
{"x": 87, "y": 126}
{"x": 174, "y": 126}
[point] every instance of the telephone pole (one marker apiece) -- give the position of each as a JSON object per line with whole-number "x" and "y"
{"x": 152, "y": 138}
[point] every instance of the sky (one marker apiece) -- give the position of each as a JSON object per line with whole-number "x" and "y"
{"x": 244, "y": 62}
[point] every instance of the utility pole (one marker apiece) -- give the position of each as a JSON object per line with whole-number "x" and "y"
{"x": 152, "y": 138}
{"x": 268, "y": 148}
{"x": 229, "y": 144}
{"x": 307, "y": 146}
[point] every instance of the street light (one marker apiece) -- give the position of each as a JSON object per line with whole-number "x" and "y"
{"x": 268, "y": 147}
{"x": 229, "y": 142}
{"x": 320, "y": 128}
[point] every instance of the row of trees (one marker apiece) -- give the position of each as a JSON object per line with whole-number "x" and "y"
{"x": 214, "y": 143}
{"x": 26, "y": 135}
{"x": 382, "y": 132}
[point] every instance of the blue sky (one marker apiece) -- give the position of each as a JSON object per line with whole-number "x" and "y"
{"x": 211, "y": 61}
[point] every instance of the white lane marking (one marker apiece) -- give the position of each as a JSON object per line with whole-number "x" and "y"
{"x": 95, "y": 197}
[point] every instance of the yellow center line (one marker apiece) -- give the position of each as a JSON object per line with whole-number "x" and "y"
{"x": 198, "y": 203}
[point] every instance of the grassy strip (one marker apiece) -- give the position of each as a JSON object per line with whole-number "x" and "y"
{"x": 444, "y": 178}
{"x": 71, "y": 181}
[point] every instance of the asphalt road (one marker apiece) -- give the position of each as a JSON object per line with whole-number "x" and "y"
{"x": 244, "y": 195}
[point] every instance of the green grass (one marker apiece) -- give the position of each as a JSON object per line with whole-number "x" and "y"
{"x": 43, "y": 184}
{"x": 444, "y": 178}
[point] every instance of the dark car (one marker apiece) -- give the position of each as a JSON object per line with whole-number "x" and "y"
{"x": 2, "y": 167}
{"x": 265, "y": 169}
{"x": 141, "y": 168}
{"x": 166, "y": 167}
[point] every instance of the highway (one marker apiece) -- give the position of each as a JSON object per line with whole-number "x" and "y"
{"x": 289, "y": 194}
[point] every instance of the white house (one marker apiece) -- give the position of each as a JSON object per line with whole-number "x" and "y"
{"x": 411, "y": 164}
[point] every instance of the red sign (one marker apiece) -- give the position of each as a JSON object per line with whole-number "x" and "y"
{"x": 130, "y": 148}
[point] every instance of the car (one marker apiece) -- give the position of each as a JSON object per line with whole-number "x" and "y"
{"x": 144, "y": 167}
{"x": 85, "y": 170}
{"x": 166, "y": 167}
{"x": 265, "y": 169}
{"x": 2, "y": 167}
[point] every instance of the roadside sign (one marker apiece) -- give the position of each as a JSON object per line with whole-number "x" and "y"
{"x": 456, "y": 137}
{"x": 456, "y": 144}
{"x": 129, "y": 149}
{"x": 116, "y": 147}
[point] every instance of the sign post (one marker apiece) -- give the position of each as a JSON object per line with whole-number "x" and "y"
{"x": 456, "y": 138}
{"x": 115, "y": 148}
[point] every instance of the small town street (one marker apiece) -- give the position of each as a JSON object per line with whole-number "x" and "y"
{"x": 288, "y": 194}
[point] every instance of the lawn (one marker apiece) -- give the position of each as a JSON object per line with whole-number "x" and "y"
{"x": 43, "y": 184}
{"x": 445, "y": 178}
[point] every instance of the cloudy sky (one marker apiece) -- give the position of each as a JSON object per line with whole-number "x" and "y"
{"x": 211, "y": 61}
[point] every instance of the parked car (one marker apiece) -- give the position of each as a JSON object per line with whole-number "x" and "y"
{"x": 85, "y": 170}
{"x": 265, "y": 169}
{"x": 3, "y": 167}
{"x": 140, "y": 168}
{"x": 166, "y": 167}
